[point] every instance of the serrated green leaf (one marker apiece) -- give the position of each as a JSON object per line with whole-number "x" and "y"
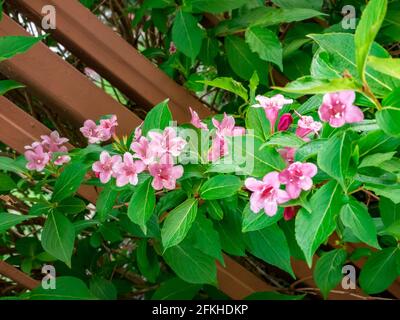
{"x": 221, "y": 186}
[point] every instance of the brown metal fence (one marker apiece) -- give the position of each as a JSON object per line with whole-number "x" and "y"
{"x": 71, "y": 94}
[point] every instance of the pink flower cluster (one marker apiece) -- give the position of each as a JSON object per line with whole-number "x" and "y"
{"x": 99, "y": 133}
{"x": 40, "y": 154}
{"x": 225, "y": 128}
{"x": 156, "y": 154}
{"x": 267, "y": 193}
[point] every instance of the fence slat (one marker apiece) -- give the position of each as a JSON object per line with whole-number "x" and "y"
{"x": 59, "y": 85}
{"x": 111, "y": 56}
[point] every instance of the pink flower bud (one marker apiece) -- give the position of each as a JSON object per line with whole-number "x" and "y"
{"x": 285, "y": 121}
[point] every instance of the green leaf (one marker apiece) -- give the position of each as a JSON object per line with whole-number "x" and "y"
{"x": 71, "y": 205}
{"x": 176, "y": 289}
{"x": 178, "y": 223}
{"x": 270, "y": 245}
{"x": 313, "y": 229}
{"x": 340, "y": 51}
{"x": 284, "y": 139}
{"x": 374, "y": 160}
{"x": 170, "y": 200}
{"x": 103, "y": 289}
{"x": 257, "y": 121}
{"x": 355, "y": 216}
{"x": 387, "y": 66}
{"x": 214, "y": 210}
{"x": 367, "y": 29}
{"x": 312, "y": 85}
{"x": 228, "y": 84}
{"x": 328, "y": 270}
{"x": 105, "y": 202}
{"x": 390, "y": 212}
{"x": 309, "y": 150}
{"x": 147, "y": 261}
{"x": 335, "y": 157}
{"x": 389, "y": 120}
{"x": 243, "y": 61}
{"x": 204, "y": 237}
{"x": 393, "y": 230}
{"x": 159, "y": 117}
{"x": 190, "y": 264}
{"x": 257, "y": 221}
{"x": 265, "y": 43}
{"x": 212, "y": 6}
{"x": 58, "y": 237}
{"x": 186, "y": 34}
{"x": 295, "y": 4}
{"x": 377, "y": 142}
{"x": 67, "y": 288}
{"x": 6, "y": 183}
{"x": 209, "y": 51}
{"x": 158, "y": 4}
{"x": 141, "y": 206}
{"x": 230, "y": 234}
{"x": 13, "y": 45}
{"x": 221, "y": 186}
{"x": 69, "y": 181}
{"x": 13, "y": 165}
{"x": 246, "y": 153}
{"x": 7, "y": 85}
{"x": 379, "y": 271}
{"x": 8, "y": 220}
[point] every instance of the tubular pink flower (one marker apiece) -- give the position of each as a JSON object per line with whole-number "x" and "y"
{"x": 306, "y": 125}
{"x": 297, "y": 177}
{"x": 61, "y": 160}
{"x": 266, "y": 193}
{"x": 127, "y": 171}
{"x": 37, "y": 158}
{"x": 165, "y": 175}
{"x": 107, "y": 127}
{"x": 53, "y": 142}
{"x": 225, "y": 128}
{"x": 337, "y": 109}
{"x": 143, "y": 151}
{"x": 166, "y": 143}
{"x": 285, "y": 121}
{"x": 196, "y": 121}
{"x": 104, "y": 167}
{"x": 90, "y": 131}
{"x": 272, "y": 106}
{"x": 287, "y": 154}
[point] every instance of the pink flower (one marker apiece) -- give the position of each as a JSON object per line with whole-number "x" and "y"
{"x": 107, "y": 127}
{"x": 165, "y": 175}
{"x": 272, "y": 106}
{"x": 338, "y": 109}
{"x": 285, "y": 121}
{"x": 166, "y": 143}
{"x": 138, "y": 132}
{"x": 90, "y": 131}
{"x": 37, "y": 158}
{"x": 287, "y": 154}
{"x": 290, "y": 212}
{"x": 62, "y": 159}
{"x": 104, "y": 167}
{"x": 196, "y": 121}
{"x": 219, "y": 148}
{"x": 92, "y": 74}
{"x": 127, "y": 171}
{"x": 53, "y": 142}
{"x": 227, "y": 128}
{"x": 306, "y": 125}
{"x": 143, "y": 150}
{"x": 297, "y": 177}
{"x": 266, "y": 193}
